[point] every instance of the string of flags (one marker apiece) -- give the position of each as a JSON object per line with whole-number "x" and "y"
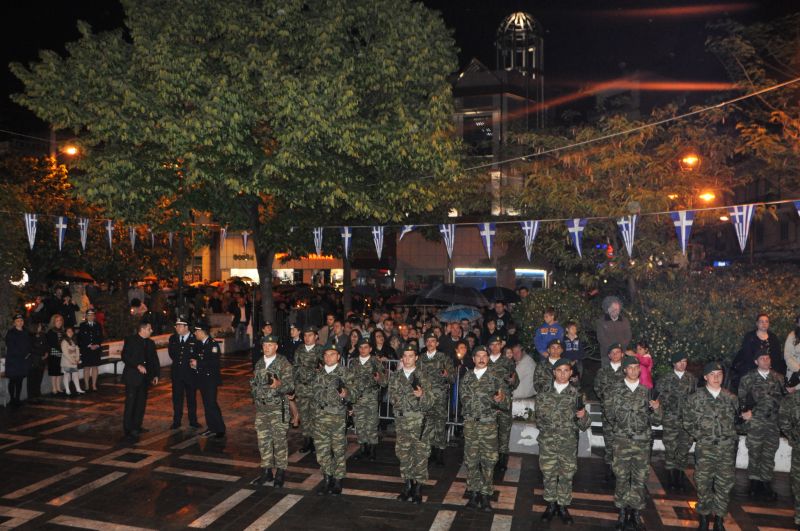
{"x": 741, "y": 217}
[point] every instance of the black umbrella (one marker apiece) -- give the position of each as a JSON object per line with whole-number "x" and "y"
{"x": 70, "y": 275}
{"x": 499, "y": 294}
{"x": 455, "y": 294}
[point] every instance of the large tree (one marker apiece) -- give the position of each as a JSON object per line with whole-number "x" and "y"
{"x": 266, "y": 115}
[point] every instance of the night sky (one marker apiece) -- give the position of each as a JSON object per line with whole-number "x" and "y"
{"x": 585, "y": 40}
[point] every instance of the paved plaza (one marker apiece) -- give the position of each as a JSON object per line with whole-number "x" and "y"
{"x": 65, "y": 465}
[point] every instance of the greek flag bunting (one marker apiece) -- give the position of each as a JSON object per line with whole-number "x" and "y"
{"x": 110, "y": 232}
{"x": 627, "y": 226}
{"x": 575, "y": 227}
{"x": 741, "y": 217}
{"x": 132, "y": 234}
{"x": 347, "y": 234}
{"x": 683, "y": 220}
{"x": 223, "y": 234}
{"x": 83, "y": 225}
{"x": 449, "y": 236}
{"x": 318, "y": 240}
{"x": 797, "y": 206}
{"x": 245, "y": 237}
{"x": 30, "y": 227}
{"x": 152, "y": 237}
{"x": 61, "y": 230}
{"x": 377, "y": 237}
{"x": 487, "y": 232}
{"x": 406, "y": 229}
{"x": 169, "y": 238}
{"x": 529, "y": 228}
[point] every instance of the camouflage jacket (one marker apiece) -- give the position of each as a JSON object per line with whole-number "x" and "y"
{"x": 477, "y": 396}
{"x": 264, "y": 397}
{"x": 506, "y": 370}
{"x": 629, "y": 411}
{"x": 401, "y": 394}
{"x": 306, "y": 364}
{"x": 789, "y": 419}
{"x": 362, "y": 379}
{"x": 673, "y": 393}
{"x": 605, "y": 379}
{"x": 711, "y": 420}
{"x": 433, "y": 369}
{"x": 555, "y": 415}
{"x": 543, "y": 376}
{"x": 767, "y": 394}
{"x": 326, "y": 396}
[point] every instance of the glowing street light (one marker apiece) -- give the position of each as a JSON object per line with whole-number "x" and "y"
{"x": 707, "y": 196}
{"x": 689, "y": 161}
{"x": 70, "y": 150}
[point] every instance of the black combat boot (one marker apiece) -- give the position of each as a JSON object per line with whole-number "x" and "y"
{"x": 362, "y": 452}
{"x": 279, "y": 473}
{"x": 264, "y": 478}
{"x": 307, "y": 445}
{"x": 703, "y": 522}
{"x": 336, "y": 487}
{"x": 326, "y": 485}
{"x": 473, "y": 502}
{"x": 405, "y": 494}
{"x": 636, "y": 522}
{"x": 683, "y": 481}
{"x": 719, "y": 523}
{"x": 767, "y": 494}
{"x": 502, "y": 463}
{"x": 563, "y": 513}
{"x": 609, "y": 474}
{"x": 486, "y": 503}
{"x": 416, "y": 496}
{"x": 755, "y": 489}
{"x": 373, "y": 450}
{"x": 622, "y": 519}
{"x": 671, "y": 479}
{"x": 550, "y": 510}
{"x": 439, "y": 457}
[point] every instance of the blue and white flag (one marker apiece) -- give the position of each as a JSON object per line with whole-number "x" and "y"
{"x": 223, "y": 234}
{"x": 627, "y": 226}
{"x": 132, "y": 236}
{"x": 683, "y": 220}
{"x": 347, "y": 235}
{"x": 529, "y": 228}
{"x": 83, "y": 225}
{"x": 797, "y": 206}
{"x": 245, "y": 237}
{"x": 169, "y": 238}
{"x": 110, "y": 232}
{"x": 449, "y": 237}
{"x": 487, "y": 231}
{"x": 406, "y": 229}
{"x": 61, "y": 230}
{"x": 377, "y": 237}
{"x": 30, "y": 227}
{"x": 575, "y": 227}
{"x": 318, "y": 240}
{"x": 741, "y": 216}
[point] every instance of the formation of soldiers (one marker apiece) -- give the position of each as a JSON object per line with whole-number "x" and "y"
{"x": 330, "y": 394}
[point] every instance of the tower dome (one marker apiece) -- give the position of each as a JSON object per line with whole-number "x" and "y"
{"x": 519, "y": 44}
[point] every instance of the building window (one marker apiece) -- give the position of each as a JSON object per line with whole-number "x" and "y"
{"x": 478, "y": 134}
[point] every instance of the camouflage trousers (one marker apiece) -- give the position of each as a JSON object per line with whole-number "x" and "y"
{"x": 271, "y": 430}
{"x": 436, "y": 427}
{"x": 330, "y": 441}
{"x": 794, "y": 474}
{"x": 676, "y": 446}
{"x": 304, "y": 398}
{"x": 714, "y": 476}
{"x": 558, "y": 461}
{"x": 365, "y": 418}
{"x": 631, "y": 466}
{"x": 762, "y": 443}
{"x": 504, "y": 422}
{"x": 411, "y": 449}
{"x": 608, "y": 441}
{"x": 480, "y": 455}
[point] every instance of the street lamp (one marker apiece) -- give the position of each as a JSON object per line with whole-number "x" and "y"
{"x": 70, "y": 150}
{"x": 707, "y": 196}
{"x": 689, "y": 161}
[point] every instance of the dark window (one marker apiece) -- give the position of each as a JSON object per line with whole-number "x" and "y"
{"x": 478, "y": 134}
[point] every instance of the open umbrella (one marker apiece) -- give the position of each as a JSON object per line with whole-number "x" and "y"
{"x": 499, "y": 294}
{"x": 456, "y": 313}
{"x": 70, "y": 275}
{"x": 455, "y": 294}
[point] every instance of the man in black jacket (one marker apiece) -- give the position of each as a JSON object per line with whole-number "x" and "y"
{"x": 207, "y": 362}
{"x": 184, "y": 379}
{"x": 141, "y": 370}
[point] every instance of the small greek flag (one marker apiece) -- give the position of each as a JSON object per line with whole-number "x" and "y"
{"x": 30, "y": 227}
{"x": 683, "y": 220}
{"x": 406, "y": 229}
{"x": 169, "y": 238}
{"x": 487, "y": 232}
{"x": 741, "y": 217}
{"x": 529, "y": 228}
{"x": 346, "y": 236}
{"x": 83, "y": 225}
{"x": 449, "y": 235}
{"x": 245, "y": 237}
{"x": 575, "y": 227}
{"x": 318, "y": 240}
{"x": 132, "y": 235}
{"x": 627, "y": 226}
{"x": 110, "y": 232}
{"x": 797, "y": 206}
{"x": 377, "y": 237}
{"x": 61, "y": 230}
{"x": 223, "y": 234}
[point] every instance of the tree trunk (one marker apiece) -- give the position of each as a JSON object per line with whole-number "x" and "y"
{"x": 264, "y": 259}
{"x": 633, "y": 290}
{"x": 181, "y": 271}
{"x": 347, "y": 296}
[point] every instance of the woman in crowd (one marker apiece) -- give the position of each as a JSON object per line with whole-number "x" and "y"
{"x": 380, "y": 348}
{"x": 645, "y": 362}
{"x": 791, "y": 354}
{"x": 351, "y": 349}
{"x": 55, "y": 334}
{"x": 18, "y": 358}
{"x": 70, "y": 359}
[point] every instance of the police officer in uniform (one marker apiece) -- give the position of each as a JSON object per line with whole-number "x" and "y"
{"x": 207, "y": 363}
{"x": 184, "y": 379}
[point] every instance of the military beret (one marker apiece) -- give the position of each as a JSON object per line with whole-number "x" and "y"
{"x": 18, "y": 316}
{"x": 555, "y": 342}
{"x": 310, "y": 328}
{"x": 330, "y": 348}
{"x": 677, "y": 356}
{"x": 629, "y": 360}
{"x": 479, "y": 348}
{"x": 411, "y": 346}
{"x": 430, "y": 335}
{"x": 182, "y": 319}
{"x": 363, "y": 341}
{"x": 495, "y": 339}
{"x": 613, "y": 346}
{"x": 711, "y": 367}
{"x": 560, "y": 362}
{"x": 270, "y": 338}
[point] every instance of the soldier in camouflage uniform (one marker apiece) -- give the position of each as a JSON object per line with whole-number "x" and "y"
{"x": 367, "y": 377}
{"x": 761, "y": 391}
{"x": 604, "y": 380}
{"x": 330, "y": 405}
{"x": 710, "y": 418}
{"x": 439, "y": 368}
{"x": 412, "y": 395}
{"x": 484, "y": 396}
{"x": 307, "y": 360}
{"x": 560, "y": 416}
{"x": 506, "y": 370}
{"x": 674, "y": 389}
{"x": 543, "y": 375}
{"x": 789, "y": 420}
{"x": 272, "y": 381}
{"x": 631, "y": 413}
